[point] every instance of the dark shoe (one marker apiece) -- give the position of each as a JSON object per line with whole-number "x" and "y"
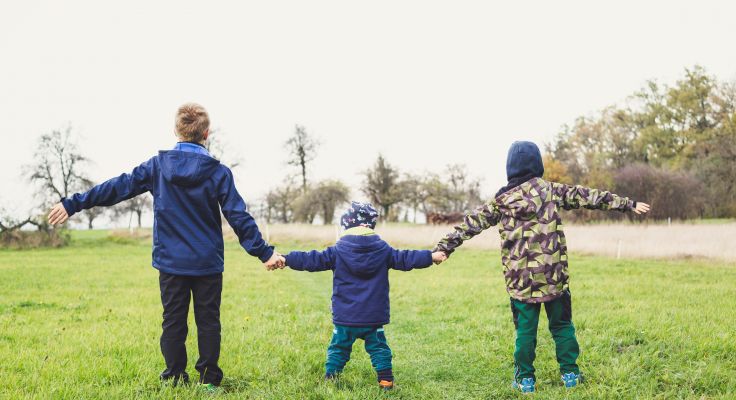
{"x": 177, "y": 380}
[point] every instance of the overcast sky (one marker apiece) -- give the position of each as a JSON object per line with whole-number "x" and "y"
{"x": 425, "y": 83}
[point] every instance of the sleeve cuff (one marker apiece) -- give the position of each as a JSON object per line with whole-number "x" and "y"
{"x": 427, "y": 258}
{"x": 68, "y": 206}
{"x": 266, "y": 254}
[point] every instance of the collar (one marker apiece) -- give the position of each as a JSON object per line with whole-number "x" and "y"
{"x": 358, "y": 231}
{"x": 192, "y": 147}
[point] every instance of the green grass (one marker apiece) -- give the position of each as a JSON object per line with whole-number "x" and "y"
{"x": 84, "y": 322}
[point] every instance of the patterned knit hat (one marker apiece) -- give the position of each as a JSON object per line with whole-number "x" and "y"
{"x": 359, "y": 214}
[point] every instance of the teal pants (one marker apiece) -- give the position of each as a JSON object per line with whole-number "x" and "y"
{"x": 526, "y": 320}
{"x": 343, "y": 337}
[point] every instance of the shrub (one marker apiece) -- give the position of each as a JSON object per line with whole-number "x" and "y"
{"x": 672, "y": 194}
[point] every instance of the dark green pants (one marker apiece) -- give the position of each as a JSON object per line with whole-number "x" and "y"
{"x": 526, "y": 319}
{"x": 343, "y": 337}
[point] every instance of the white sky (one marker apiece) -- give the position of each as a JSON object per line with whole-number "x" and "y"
{"x": 425, "y": 83}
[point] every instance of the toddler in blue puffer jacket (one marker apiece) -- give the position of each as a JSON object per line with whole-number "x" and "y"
{"x": 360, "y": 261}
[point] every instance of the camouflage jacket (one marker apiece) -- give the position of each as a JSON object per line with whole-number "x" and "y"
{"x": 533, "y": 249}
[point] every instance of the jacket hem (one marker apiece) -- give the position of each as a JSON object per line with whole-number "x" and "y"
{"x": 189, "y": 272}
{"x": 360, "y": 324}
{"x": 543, "y": 299}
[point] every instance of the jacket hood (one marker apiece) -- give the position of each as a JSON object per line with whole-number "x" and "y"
{"x": 186, "y": 168}
{"x": 524, "y": 159}
{"x": 364, "y": 256}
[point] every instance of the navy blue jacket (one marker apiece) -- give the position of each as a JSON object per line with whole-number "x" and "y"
{"x": 189, "y": 189}
{"x": 360, "y": 264}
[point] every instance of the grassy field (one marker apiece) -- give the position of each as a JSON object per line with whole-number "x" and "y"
{"x": 84, "y": 322}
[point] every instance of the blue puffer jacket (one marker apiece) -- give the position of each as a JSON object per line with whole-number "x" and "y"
{"x": 189, "y": 188}
{"x": 360, "y": 264}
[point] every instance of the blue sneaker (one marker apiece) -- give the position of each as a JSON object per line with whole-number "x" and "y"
{"x": 571, "y": 379}
{"x": 526, "y": 385}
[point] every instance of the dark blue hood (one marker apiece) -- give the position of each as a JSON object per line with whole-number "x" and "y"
{"x": 364, "y": 256}
{"x": 186, "y": 168}
{"x": 524, "y": 159}
{"x": 523, "y": 163}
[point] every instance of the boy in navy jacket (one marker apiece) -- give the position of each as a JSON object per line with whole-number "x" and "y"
{"x": 189, "y": 189}
{"x": 360, "y": 261}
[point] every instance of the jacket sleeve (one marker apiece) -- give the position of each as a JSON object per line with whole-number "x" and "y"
{"x": 312, "y": 261}
{"x": 237, "y": 215}
{"x": 573, "y": 197}
{"x": 406, "y": 260}
{"x": 473, "y": 224}
{"x": 112, "y": 191}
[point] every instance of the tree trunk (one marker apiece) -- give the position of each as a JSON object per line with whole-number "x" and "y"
{"x": 303, "y": 162}
{"x": 139, "y": 213}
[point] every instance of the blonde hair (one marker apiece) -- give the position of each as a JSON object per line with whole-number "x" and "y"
{"x": 192, "y": 122}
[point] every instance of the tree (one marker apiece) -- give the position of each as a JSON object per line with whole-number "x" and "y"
{"x": 672, "y": 194}
{"x": 58, "y": 165}
{"x": 216, "y": 145}
{"x": 328, "y": 195}
{"x": 302, "y": 150}
{"x": 91, "y": 214}
{"x": 381, "y": 185}
{"x": 687, "y": 128}
{"x": 279, "y": 202}
{"x": 413, "y": 193}
{"x": 136, "y": 206}
{"x": 463, "y": 191}
{"x": 555, "y": 171}
{"x": 305, "y": 207}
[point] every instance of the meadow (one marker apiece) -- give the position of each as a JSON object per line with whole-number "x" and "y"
{"x": 84, "y": 322}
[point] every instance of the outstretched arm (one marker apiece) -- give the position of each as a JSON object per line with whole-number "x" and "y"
{"x": 572, "y": 197}
{"x": 473, "y": 224}
{"x": 406, "y": 260}
{"x": 245, "y": 227}
{"x": 312, "y": 261}
{"x": 107, "y": 193}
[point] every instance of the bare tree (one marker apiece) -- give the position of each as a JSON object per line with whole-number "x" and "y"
{"x": 217, "y": 147}
{"x": 91, "y": 214}
{"x": 136, "y": 206}
{"x": 9, "y": 224}
{"x": 302, "y": 150}
{"x": 279, "y": 202}
{"x": 57, "y": 168}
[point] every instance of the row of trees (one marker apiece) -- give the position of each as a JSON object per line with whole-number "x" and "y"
{"x": 398, "y": 195}
{"x": 59, "y": 169}
{"x": 673, "y": 145}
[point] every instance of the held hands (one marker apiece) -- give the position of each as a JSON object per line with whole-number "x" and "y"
{"x": 58, "y": 214}
{"x": 277, "y": 261}
{"x": 438, "y": 257}
{"x": 641, "y": 208}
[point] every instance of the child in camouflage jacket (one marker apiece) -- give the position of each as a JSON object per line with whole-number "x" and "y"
{"x": 534, "y": 254}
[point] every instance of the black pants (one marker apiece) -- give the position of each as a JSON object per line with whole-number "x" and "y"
{"x": 176, "y": 291}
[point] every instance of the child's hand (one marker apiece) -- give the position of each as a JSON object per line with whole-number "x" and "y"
{"x": 58, "y": 214}
{"x": 641, "y": 208}
{"x": 276, "y": 261}
{"x": 438, "y": 257}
